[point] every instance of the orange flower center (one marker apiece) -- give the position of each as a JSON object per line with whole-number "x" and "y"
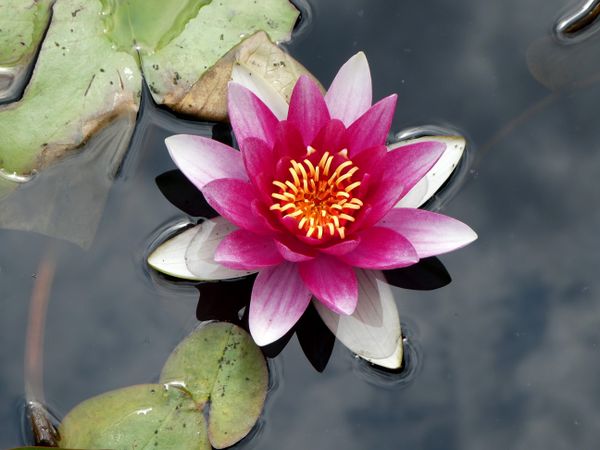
{"x": 319, "y": 196}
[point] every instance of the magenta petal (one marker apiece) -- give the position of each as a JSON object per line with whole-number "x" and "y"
{"x": 308, "y": 111}
{"x": 279, "y": 298}
{"x": 203, "y": 160}
{"x": 294, "y": 253}
{"x": 332, "y": 282}
{"x": 258, "y": 158}
{"x": 382, "y": 249}
{"x": 372, "y": 128}
{"x": 341, "y": 248}
{"x": 249, "y": 116}
{"x": 429, "y": 233}
{"x": 402, "y": 169}
{"x": 332, "y": 137}
{"x": 244, "y": 250}
{"x": 233, "y": 199}
{"x": 350, "y": 93}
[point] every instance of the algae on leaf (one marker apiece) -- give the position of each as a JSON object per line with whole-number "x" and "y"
{"x": 22, "y": 25}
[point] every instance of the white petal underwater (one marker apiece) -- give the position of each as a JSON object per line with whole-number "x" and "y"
{"x": 373, "y": 330}
{"x": 438, "y": 174}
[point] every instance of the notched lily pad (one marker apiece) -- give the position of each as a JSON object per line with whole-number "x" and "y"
{"x": 217, "y": 372}
{"x": 143, "y": 416}
{"x": 22, "y": 25}
{"x": 226, "y": 373}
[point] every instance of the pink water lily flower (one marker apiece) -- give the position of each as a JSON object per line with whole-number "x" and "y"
{"x": 310, "y": 202}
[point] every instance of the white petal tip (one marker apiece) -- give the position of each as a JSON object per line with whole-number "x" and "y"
{"x": 392, "y": 362}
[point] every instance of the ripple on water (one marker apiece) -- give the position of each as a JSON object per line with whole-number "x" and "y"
{"x": 393, "y": 379}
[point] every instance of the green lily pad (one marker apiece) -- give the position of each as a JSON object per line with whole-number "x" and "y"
{"x": 144, "y": 416}
{"x": 217, "y": 372}
{"x": 22, "y": 25}
{"x": 224, "y": 370}
{"x": 90, "y": 65}
{"x": 79, "y": 85}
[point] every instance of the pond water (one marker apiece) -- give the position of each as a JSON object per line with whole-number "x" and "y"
{"x": 507, "y": 356}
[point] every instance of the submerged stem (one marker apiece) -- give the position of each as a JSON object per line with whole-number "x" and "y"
{"x": 43, "y": 430}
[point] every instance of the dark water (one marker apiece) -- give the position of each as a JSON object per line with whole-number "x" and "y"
{"x": 505, "y": 357}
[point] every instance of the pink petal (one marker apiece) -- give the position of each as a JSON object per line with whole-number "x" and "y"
{"x": 350, "y": 93}
{"x": 308, "y": 111}
{"x": 258, "y": 158}
{"x": 332, "y": 282}
{"x": 438, "y": 174}
{"x": 381, "y": 248}
{"x": 279, "y": 298}
{"x": 233, "y": 200}
{"x": 294, "y": 252}
{"x": 402, "y": 168}
{"x": 244, "y": 250}
{"x": 288, "y": 141}
{"x": 203, "y": 160}
{"x": 332, "y": 137}
{"x": 372, "y": 128}
{"x": 429, "y": 233}
{"x": 373, "y": 330}
{"x": 249, "y": 116}
{"x": 341, "y": 248}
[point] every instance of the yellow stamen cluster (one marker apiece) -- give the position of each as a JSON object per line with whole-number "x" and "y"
{"x": 319, "y": 196}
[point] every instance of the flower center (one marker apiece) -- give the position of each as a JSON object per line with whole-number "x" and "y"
{"x": 319, "y": 196}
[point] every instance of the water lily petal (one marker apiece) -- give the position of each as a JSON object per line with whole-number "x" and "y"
{"x": 401, "y": 170}
{"x": 341, "y": 248}
{"x": 199, "y": 254}
{"x": 373, "y": 330}
{"x": 263, "y": 90}
{"x": 288, "y": 141}
{"x": 332, "y": 282}
{"x": 203, "y": 160}
{"x": 233, "y": 199}
{"x": 393, "y": 362}
{"x": 258, "y": 158}
{"x": 331, "y": 137}
{"x": 308, "y": 111}
{"x": 438, "y": 174}
{"x": 244, "y": 250}
{"x": 381, "y": 248}
{"x": 430, "y": 233}
{"x": 350, "y": 93}
{"x": 279, "y": 298}
{"x": 372, "y": 128}
{"x": 169, "y": 257}
{"x": 249, "y": 116}
{"x": 294, "y": 252}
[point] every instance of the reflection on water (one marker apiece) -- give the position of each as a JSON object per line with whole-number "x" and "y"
{"x": 579, "y": 23}
{"x": 507, "y": 353}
